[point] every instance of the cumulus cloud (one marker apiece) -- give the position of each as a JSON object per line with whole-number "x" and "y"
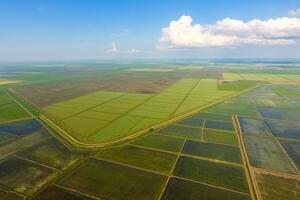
{"x": 295, "y": 13}
{"x": 229, "y": 32}
{"x": 113, "y": 48}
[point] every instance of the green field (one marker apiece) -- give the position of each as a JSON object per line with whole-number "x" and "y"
{"x": 273, "y": 78}
{"x": 221, "y": 137}
{"x": 55, "y": 192}
{"x": 110, "y": 181}
{"x": 23, "y": 176}
{"x": 161, "y": 142}
{"x": 277, "y": 188}
{"x": 181, "y": 131}
{"x": 52, "y": 153}
{"x": 108, "y": 116}
{"x": 212, "y": 151}
{"x": 187, "y": 190}
{"x": 227, "y": 176}
{"x": 139, "y": 157}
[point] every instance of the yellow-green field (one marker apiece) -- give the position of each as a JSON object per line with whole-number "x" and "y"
{"x": 105, "y": 116}
{"x": 272, "y": 78}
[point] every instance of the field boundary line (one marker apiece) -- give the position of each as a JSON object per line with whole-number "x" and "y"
{"x": 122, "y": 115}
{"x": 77, "y": 191}
{"x": 129, "y": 166}
{"x": 35, "y": 162}
{"x": 172, "y": 171}
{"x": 276, "y": 173}
{"x": 186, "y": 96}
{"x": 210, "y": 185}
{"x": 197, "y": 140}
{"x": 16, "y": 120}
{"x": 255, "y": 194}
{"x": 151, "y": 148}
{"x": 90, "y": 108}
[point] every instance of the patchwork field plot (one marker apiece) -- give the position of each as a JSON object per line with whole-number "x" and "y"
{"x": 272, "y": 78}
{"x": 18, "y": 144}
{"x": 213, "y": 151}
{"x": 55, "y": 192}
{"x": 107, "y": 116}
{"x": 255, "y": 126}
{"x": 110, "y": 181}
{"x": 227, "y": 176}
{"x": 24, "y": 176}
{"x": 9, "y": 110}
{"x": 266, "y": 153}
{"x": 220, "y": 125}
{"x": 52, "y": 153}
{"x": 285, "y": 129}
{"x": 277, "y": 113}
{"x": 161, "y": 142}
{"x": 277, "y": 188}
{"x": 187, "y": 190}
{"x": 231, "y": 109}
{"x": 221, "y": 137}
{"x": 139, "y": 157}
{"x": 181, "y": 131}
{"x": 293, "y": 150}
{"x": 20, "y": 128}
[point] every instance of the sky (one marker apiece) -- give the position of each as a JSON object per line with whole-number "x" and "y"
{"x": 109, "y": 29}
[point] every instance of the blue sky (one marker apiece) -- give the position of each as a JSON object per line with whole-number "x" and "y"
{"x": 99, "y": 29}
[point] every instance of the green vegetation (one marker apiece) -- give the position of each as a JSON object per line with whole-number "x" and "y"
{"x": 12, "y": 111}
{"x": 277, "y": 188}
{"x": 228, "y": 126}
{"x": 55, "y": 192}
{"x": 139, "y": 157}
{"x": 186, "y": 190}
{"x": 191, "y": 121}
{"x": 51, "y": 153}
{"x": 181, "y": 131}
{"x": 22, "y": 143}
{"x": 273, "y": 78}
{"x": 110, "y": 181}
{"x": 218, "y": 136}
{"x": 161, "y": 142}
{"x": 287, "y": 91}
{"x": 227, "y": 176}
{"x": 213, "y": 151}
{"x": 108, "y": 116}
{"x": 23, "y": 176}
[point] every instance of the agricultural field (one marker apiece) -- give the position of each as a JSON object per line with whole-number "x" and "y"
{"x": 103, "y": 117}
{"x": 186, "y": 134}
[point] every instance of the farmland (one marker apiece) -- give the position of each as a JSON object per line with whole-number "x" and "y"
{"x": 194, "y": 136}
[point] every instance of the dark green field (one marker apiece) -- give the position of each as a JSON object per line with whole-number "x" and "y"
{"x": 212, "y": 151}
{"x": 107, "y": 180}
{"x": 161, "y": 142}
{"x": 144, "y": 158}
{"x": 188, "y": 190}
{"x": 231, "y": 177}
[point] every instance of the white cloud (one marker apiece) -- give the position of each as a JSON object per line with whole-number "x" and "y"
{"x": 295, "y": 13}
{"x": 134, "y": 51}
{"x": 229, "y": 32}
{"x": 113, "y": 48}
